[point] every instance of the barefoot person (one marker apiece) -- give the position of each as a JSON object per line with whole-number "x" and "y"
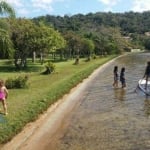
{"x": 122, "y": 77}
{"x": 115, "y": 72}
{"x": 147, "y": 73}
{"x": 3, "y": 95}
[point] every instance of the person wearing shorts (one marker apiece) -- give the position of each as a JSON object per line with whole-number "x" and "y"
{"x": 122, "y": 77}
{"x": 147, "y": 73}
{"x": 115, "y": 72}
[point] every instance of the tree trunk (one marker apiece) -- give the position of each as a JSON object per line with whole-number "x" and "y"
{"x": 34, "y": 56}
{"x": 16, "y": 63}
{"x": 77, "y": 60}
{"x": 41, "y": 58}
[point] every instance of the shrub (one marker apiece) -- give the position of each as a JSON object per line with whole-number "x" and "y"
{"x": 94, "y": 56}
{"x": 18, "y": 82}
{"x": 50, "y": 67}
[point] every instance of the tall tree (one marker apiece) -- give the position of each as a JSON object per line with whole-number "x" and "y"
{"x": 73, "y": 45}
{"x": 6, "y": 46}
{"x": 5, "y": 42}
{"x": 6, "y": 8}
{"x": 29, "y": 38}
{"x": 88, "y": 46}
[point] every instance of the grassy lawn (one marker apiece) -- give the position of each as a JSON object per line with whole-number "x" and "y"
{"x": 24, "y": 105}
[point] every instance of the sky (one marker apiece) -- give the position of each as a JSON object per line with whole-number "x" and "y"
{"x": 35, "y": 8}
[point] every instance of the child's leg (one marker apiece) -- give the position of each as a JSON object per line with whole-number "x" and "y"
{"x": 5, "y": 106}
{"x": 124, "y": 84}
{"x": 117, "y": 83}
{"x": 146, "y": 82}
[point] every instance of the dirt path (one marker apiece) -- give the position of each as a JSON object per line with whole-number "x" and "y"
{"x": 41, "y": 133}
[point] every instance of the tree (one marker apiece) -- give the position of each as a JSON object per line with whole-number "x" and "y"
{"x": 46, "y": 40}
{"x": 5, "y": 8}
{"x": 88, "y": 46}
{"x": 74, "y": 44}
{"x": 6, "y": 45}
{"x": 29, "y": 38}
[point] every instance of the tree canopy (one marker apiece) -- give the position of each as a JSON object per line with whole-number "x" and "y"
{"x": 129, "y": 24}
{"x": 6, "y": 45}
{"x": 28, "y": 37}
{"x": 72, "y": 36}
{"x": 6, "y": 9}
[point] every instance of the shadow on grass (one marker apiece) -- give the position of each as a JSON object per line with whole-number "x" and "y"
{"x": 14, "y": 69}
{"x": 2, "y": 118}
{"x": 7, "y": 69}
{"x": 59, "y": 60}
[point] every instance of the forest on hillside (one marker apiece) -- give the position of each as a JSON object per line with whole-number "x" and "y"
{"x": 131, "y": 25}
{"x": 129, "y": 22}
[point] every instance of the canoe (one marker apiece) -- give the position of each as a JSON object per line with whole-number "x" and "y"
{"x": 141, "y": 85}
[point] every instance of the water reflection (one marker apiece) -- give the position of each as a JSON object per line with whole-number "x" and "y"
{"x": 147, "y": 106}
{"x": 140, "y": 93}
{"x": 2, "y": 118}
{"x": 119, "y": 94}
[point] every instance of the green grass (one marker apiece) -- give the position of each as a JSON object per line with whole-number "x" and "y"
{"x": 25, "y": 105}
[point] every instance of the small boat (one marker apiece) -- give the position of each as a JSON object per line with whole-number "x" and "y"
{"x": 141, "y": 85}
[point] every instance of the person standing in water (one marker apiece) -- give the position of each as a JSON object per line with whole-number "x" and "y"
{"x": 122, "y": 77}
{"x": 3, "y": 95}
{"x": 115, "y": 72}
{"x": 147, "y": 73}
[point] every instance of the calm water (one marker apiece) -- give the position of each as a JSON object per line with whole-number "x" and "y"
{"x": 108, "y": 118}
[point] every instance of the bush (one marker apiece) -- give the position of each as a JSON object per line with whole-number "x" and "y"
{"x": 50, "y": 67}
{"x": 94, "y": 56}
{"x": 18, "y": 82}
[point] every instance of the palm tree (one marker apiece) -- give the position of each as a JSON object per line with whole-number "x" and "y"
{"x": 6, "y": 48}
{"x": 5, "y": 8}
{"x": 6, "y": 45}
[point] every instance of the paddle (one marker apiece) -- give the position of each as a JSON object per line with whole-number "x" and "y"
{"x": 138, "y": 84}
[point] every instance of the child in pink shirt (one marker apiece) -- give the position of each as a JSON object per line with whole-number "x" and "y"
{"x": 3, "y": 95}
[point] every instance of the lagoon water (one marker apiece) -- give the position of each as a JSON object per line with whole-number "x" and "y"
{"x": 108, "y": 118}
{"x": 95, "y": 116}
